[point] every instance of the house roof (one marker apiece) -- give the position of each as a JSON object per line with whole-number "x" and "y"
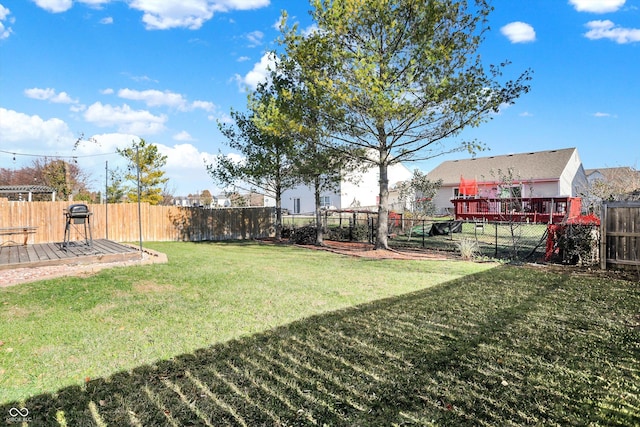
{"x": 533, "y": 165}
{"x": 612, "y": 174}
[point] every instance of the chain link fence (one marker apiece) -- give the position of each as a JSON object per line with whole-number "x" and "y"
{"x": 497, "y": 240}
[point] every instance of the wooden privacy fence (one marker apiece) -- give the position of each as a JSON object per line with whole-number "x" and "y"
{"x": 620, "y": 234}
{"x": 119, "y": 222}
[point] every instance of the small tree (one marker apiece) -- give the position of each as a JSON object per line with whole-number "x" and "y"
{"x": 267, "y": 161}
{"x": 146, "y": 159}
{"x": 206, "y": 198}
{"x": 418, "y": 193}
{"x": 510, "y": 192}
{"x": 116, "y": 191}
{"x": 298, "y": 109}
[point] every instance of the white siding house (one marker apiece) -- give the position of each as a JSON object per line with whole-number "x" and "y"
{"x": 553, "y": 173}
{"x": 360, "y": 192}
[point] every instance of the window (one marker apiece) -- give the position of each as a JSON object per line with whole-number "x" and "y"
{"x": 296, "y": 205}
{"x": 456, "y": 193}
{"x": 325, "y": 201}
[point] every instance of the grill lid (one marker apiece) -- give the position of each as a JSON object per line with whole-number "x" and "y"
{"x": 78, "y": 210}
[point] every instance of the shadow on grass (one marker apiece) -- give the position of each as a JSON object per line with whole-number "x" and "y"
{"x": 508, "y": 346}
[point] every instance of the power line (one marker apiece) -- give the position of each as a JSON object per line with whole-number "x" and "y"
{"x": 14, "y": 154}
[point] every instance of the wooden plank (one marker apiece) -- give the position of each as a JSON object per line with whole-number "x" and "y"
{"x": 623, "y": 234}
{"x": 32, "y": 255}
{"x": 50, "y": 251}
{"x": 22, "y": 253}
{"x": 4, "y": 255}
{"x": 39, "y": 250}
{"x": 622, "y": 262}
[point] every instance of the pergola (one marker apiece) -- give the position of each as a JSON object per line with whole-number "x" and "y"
{"x": 28, "y": 190}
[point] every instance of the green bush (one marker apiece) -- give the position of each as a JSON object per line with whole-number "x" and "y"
{"x": 358, "y": 233}
{"x": 578, "y": 244}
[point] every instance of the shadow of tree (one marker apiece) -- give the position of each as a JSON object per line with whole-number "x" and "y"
{"x": 493, "y": 349}
{"x": 198, "y": 224}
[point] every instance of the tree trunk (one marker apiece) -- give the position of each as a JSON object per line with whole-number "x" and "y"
{"x": 319, "y": 234}
{"x": 278, "y": 215}
{"x": 383, "y": 208}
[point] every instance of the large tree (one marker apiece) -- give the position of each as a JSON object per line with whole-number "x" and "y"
{"x": 409, "y": 75}
{"x": 267, "y": 160}
{"x": 147, "y": 160}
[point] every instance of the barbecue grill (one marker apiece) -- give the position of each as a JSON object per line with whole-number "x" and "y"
{"x": 77, "y": 215}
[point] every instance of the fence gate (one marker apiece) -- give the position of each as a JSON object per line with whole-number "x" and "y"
{"x": 620, "y": 231}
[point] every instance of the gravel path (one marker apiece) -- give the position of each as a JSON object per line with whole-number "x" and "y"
{"x": 17, "y": 276}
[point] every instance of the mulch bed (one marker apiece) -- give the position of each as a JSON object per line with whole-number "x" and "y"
{"x": 367, "y": 250}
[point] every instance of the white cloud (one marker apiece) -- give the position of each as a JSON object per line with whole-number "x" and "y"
{"x": 156, "y": 98}
{"x": 55, "y": 6}
{"x": 183, "y": 136}
{"x": 311, "y": 29}
{"x": 94, "y": 3}
{"x": 203, "y": 105}
{"x": 5, "y": 32}
{"x": 526, "y": 114}
{"x": 222, "y": 118}
{"x": 186, "y": 168}
{"x": 50, "y": 95}
{"x": 146, "y": 79}
{"x": 519, "y": 32}
{"x": 127, "y": 120}
{"x": 165, "y": 14}
{"x": 258, "y": 74}
{"x": 255, "y": 38}
{"x": 107, "y": 20}
{"x": 602, "y": 115}
{"x": 243, "y": 59}
{"x": 25, "y": 129}
{"x": 608, "y": 30}
{"x": 597, "y": 6}
{"x": 106, "y": 143}
{"x": 107, "y": 91}
{"x": 191, "y": 14}
{"x": 278, "y": 24}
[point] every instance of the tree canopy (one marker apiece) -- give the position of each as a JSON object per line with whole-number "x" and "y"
{"x": 66, "y": 178}
{"x": 267, "y": 159}
{"x": 147, "y": 159}
{"x": 407, "y": 75}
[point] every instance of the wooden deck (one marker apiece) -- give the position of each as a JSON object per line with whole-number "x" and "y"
{"x": 39, "y": 255}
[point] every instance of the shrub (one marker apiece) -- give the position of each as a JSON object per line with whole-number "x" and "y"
{"x": 579, "y": 244}
{"x": 306, "y": 235}
{"x": 358, "y": 233}
{"x": 468, "y": 248}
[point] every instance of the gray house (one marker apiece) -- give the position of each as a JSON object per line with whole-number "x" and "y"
{"x": 541, "y": 174}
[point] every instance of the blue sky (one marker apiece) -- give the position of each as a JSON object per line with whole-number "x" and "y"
{"x": 168, "y": 71}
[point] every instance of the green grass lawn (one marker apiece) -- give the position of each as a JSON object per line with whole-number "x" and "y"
{"x": 244, "y": 334}
{"x": 59, "y": 332}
